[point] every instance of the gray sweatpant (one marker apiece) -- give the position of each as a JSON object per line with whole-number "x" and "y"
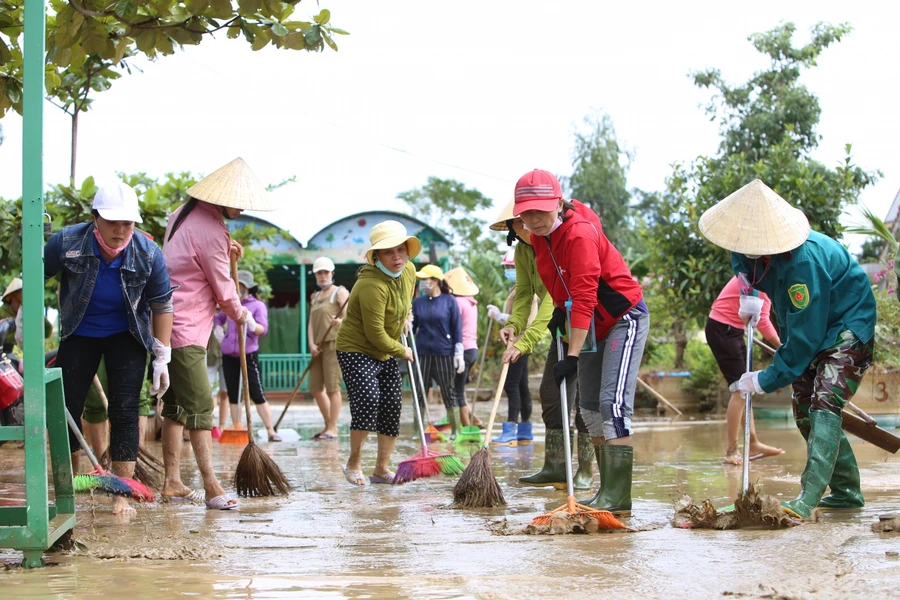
{"x": 607, "y": 378}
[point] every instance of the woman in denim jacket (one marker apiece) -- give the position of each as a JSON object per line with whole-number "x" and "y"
{"x": 115, "y": 303}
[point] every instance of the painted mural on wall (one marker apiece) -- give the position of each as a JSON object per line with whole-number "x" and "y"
{"x": 346, "y": 240}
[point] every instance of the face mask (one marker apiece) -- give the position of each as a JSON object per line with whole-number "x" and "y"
{"x": 510, "y": 275}
{"x": 326, "y": 286}
{"x": 113, "y": 251}
{"x": 556, "y": 225}
{"x": 387, "y": 271}
{"x": 426, "y": 286}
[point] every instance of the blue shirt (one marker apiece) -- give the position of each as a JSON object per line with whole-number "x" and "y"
{"x": 437, "y": 325}
{"x": 107, "y": 313}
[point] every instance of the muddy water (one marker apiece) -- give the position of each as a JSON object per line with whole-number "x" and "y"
{"x": 329, "y": 539}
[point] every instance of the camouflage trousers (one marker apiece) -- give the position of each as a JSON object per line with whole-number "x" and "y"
{"x": 831, "y": 379}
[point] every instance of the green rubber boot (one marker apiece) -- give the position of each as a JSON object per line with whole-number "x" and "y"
{"x": 584, "y": 477}
{"x": 453, "y": 417}
{"x": 821, "y": 454}
{"x": 844, "y": 484}
{"x": 554, "y": 470}
{"x": 616, "y": 464}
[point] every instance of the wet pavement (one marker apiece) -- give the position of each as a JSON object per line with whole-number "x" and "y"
{"x": 331, "y": 539}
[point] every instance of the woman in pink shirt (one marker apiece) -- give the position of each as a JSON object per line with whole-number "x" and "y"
{"x": 725, "y": 334}
{"x": 197, "y": 249}
{"x": 463, "y": 288}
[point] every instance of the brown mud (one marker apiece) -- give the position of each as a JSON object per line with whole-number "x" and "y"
{"x": 328, "y": 538}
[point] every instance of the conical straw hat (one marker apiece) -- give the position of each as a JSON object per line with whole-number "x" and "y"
{"x": 755, "y": 220}
{"x": 505, "y": 215}
{"x": 233, "y": 186}
{"x": 460, "y": 283}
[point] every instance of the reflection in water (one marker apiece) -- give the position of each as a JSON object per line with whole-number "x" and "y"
{"x": 330, "y": 539}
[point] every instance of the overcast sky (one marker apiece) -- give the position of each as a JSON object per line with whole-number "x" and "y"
{"x": 476, "y": 91}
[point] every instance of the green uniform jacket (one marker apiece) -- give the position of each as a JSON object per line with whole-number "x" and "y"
{"x": 528, "y": 285}
{"x": 818, "y": 290}
{"x": 377, "y": 312}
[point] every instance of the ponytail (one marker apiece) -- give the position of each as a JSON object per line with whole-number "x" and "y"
{"x": 185, "y": 211}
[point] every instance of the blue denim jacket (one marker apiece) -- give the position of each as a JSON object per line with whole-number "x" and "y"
{"x": 145, "y": 280}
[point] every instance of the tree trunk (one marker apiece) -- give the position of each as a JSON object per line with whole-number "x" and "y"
{"x": 74, "y": 147}
{"x": 680, "y": 343}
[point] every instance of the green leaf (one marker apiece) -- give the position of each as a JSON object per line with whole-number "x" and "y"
{"x": 294, "y": 41}
{"x": 313, "y": 37}
{"x": 260, "y": 40}
{"x": 146, "y": 41}
{"x": 125, "y": 9}
{"x": 279, "y": 29}
{"x": 339, "y": 31}
{"x": 88, "y": 188}
{"x": 330, "y": 42}
{"x": 13, "y": 91}
{"x": 323, "y": 17}
{"x": 276, "y": 8}
{"x": 221, "y": 9}
{"x": 249, "y": 7}
{"x": 5, "y": 54}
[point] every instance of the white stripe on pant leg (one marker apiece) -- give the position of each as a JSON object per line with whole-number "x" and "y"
{"x": 447, "y": 379}
{"x": 624, "y": 366}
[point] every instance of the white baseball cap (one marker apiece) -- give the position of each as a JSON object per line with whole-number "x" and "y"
{"x": 117, "y": 201}
{"x": 323, "y": 263}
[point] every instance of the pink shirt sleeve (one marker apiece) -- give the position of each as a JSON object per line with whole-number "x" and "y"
{"x": 765, "y": 326}
{"x": 212, "y": 253}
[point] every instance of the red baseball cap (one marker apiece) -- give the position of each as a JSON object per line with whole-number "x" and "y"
{"x": 537, "y": 190}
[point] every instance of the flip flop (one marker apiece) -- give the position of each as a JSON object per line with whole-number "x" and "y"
{"x": 221, "y": 503}
{"x": 383, "y": 479}
{"x": 192, "y": 497}
{"x": 325, "y": 436}
{"x": 316, "y": 436}
{"x": 353, "y": 477}
{"x": 275, "y": 438}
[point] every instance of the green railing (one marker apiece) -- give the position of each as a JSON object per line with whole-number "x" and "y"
{"x": 281, "y": 371}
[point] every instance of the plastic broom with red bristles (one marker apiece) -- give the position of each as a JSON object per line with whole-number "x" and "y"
{"x": 426, "y": 463}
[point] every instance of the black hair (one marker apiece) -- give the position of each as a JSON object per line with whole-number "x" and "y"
{"x": 445, "y": 289}
{"x": 567, "y": 206}
{"x": 185, "y": 211}
{"x": 511, "y": 235}
{"x": 95, "y": 213}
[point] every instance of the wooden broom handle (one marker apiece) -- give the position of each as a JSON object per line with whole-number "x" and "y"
{"x": 500, "y": 383}
{"x": 242, "y": 346}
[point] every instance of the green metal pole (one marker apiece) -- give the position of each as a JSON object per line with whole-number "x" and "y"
{"x": 36, "y": 494}
{"x": 303, "y": 323}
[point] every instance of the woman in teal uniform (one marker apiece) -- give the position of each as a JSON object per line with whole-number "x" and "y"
{"x": 826, "y": 315}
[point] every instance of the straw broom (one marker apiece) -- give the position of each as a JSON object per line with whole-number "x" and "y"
{"x": 478, "y": 488}
{"x": 571, "y": 509}
{"x": 256, "y": 473}
{"x": 308, "y": 367}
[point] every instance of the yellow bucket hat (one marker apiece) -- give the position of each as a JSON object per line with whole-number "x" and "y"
{"x": 430, "y": 272}
{"x": 755, "y": 220}
{"x": 460, "y": 283}
{"x": 390, "y": 234}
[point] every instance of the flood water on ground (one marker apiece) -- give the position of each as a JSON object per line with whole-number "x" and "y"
{"x": 331, "y": 539}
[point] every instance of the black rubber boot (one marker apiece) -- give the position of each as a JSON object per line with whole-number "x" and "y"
{"x": 616, "y": 464}
{"x": 554, "y": 470}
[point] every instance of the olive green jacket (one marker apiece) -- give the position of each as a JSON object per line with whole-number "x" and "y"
{"x": 377, "y": 312}
{"x": 528, "y": 285}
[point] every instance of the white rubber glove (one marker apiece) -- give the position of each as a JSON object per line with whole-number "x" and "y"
{"x": 19, "y": 328}
{"x": 219, "y": 333}
{"x": 250, "y": 323}
{"x": 749, "y": 383}
{"x": 495, "y": 314}
{"x": 749, "y": 309}
{"x": 161, "y": 357}
{"x": 458, "y": 361}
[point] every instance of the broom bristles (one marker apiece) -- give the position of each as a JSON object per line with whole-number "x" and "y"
{"x": 147, "y": 468}
{"x": 420, "y": 466}
{"x": 604, "y": 518}
{"x": 258, "y": 475}
{"x": 450, "y": 465}
{"x": 111, "y": 484}
{"x": 478, "y": 488}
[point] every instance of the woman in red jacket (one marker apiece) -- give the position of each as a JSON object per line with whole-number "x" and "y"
{"x": 601, "y": 306}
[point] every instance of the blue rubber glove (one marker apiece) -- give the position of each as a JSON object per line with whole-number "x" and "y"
{"x": 564, "y": 368}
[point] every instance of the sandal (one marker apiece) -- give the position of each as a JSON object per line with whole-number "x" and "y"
{"x": 275, "y": 438}
{"x": 387, "y": 478}
{"x": 192, "y": 497}
{"x": 354, "y": 477}
{"x": 222, "y": 502}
